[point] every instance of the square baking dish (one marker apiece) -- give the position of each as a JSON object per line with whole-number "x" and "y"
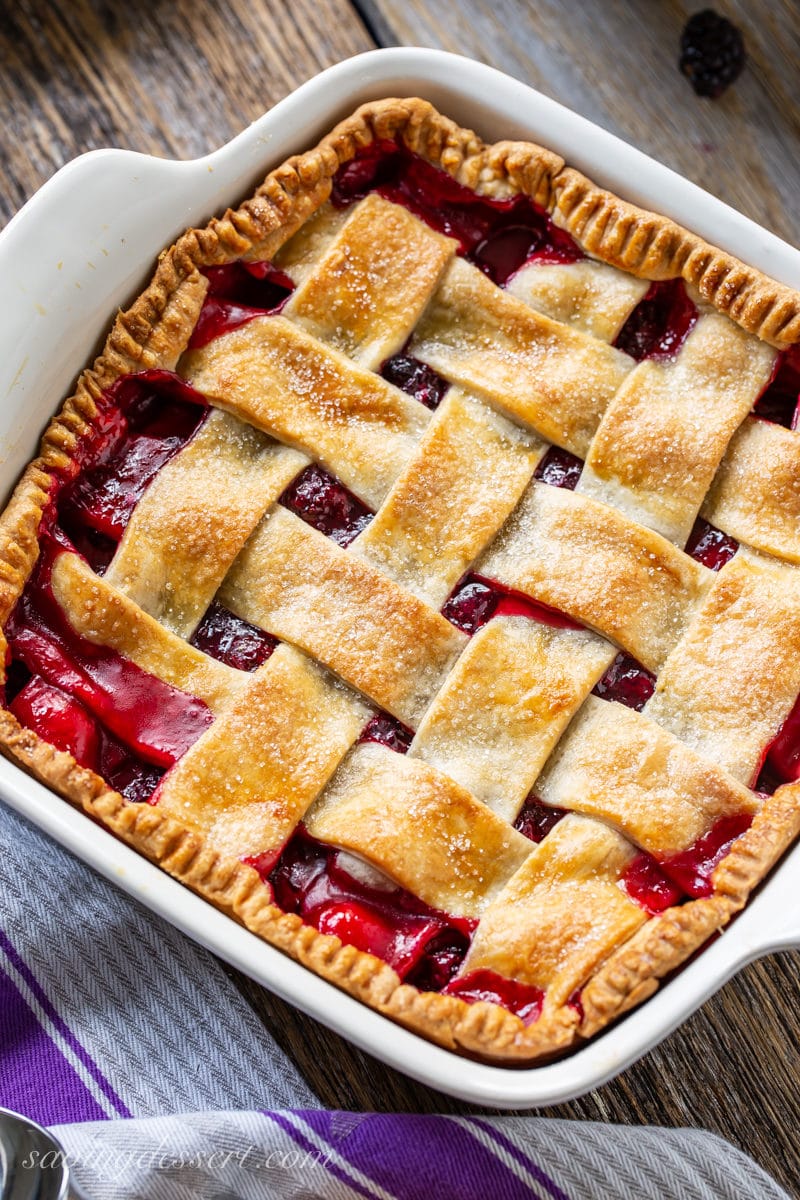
{"x": 84, "y": 245}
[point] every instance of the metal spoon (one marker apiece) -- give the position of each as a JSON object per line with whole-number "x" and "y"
{"x": 25, "y": 1172}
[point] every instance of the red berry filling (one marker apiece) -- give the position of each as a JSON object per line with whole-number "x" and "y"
{"x": 627, "y": 682}
{"x": 65, "y": 723}
{"x": 96, "y": 548}
{"x": 386, "y": 730}
{"x": 232, "y": 640}
{"x": 326, "y": 504}
{"x": 123, "y": 723}
{"x": 710, "y": 546}
{"x": 415, "y": 378}
{"x": 471, "y": 605}
{"x": 660, "y": 323}
{"x": 520, "y": 998}
{"x": 339, "y": 894}
{"x": 499, "y": 236}
{"x": 692, "y": 869}
{"x": 535, "y": 820}
{"x": 158, "y": 722}
{"x": 104, "y": 498}
{"x": 145, "y": 420}
{"x": 646, "y": 883}
{"x": 782, "y": 758}
{"x": 780, "y": 400}
{"x": 238, "y": 292}
{"x": 503, "y": 252}
{"x": 476, "y": 600}
{"x": 559, "y": 468}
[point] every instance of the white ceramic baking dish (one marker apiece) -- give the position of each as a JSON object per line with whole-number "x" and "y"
{"x": 85, "y": 244}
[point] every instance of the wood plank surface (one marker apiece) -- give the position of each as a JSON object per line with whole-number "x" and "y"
{"x": 180, "y": 77}
{"x": 175, "y": 79}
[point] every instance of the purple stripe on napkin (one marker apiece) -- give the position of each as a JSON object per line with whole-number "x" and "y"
{"x": 305, "y": 1144}
{"x": 419, "y": 1157}
{"x": 56, "y": 1113}
{"x": 30, "y": 1059}
{"x": 548, "y": 1184}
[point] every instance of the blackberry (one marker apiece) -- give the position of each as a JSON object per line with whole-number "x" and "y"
{"x": 712, "y": 52}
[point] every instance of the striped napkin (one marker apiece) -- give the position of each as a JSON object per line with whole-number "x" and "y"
{"x": 133, "y": 1045}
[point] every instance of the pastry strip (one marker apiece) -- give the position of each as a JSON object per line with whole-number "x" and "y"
{"x": 588, "y": 295}
{"x": 368, "y": 290}
{"x": 301, "y": 722}
{"x": 195, "y": 517}
{"x": 470, "y": 469}
{"x": 298, "y": 257}
{"x": 733, "y": 678}
{"x": 303, "y": 588}
{"x": 561, "y": 914}
{"x": 549, "y": 376}
{"x": 620, "y": 766}
{"x": 505, "y": 704}
{"x": 420, "y": 828}
{"x": 105, "y": 616}
{"x": 275, "y": 376}
{"x": 755, "y": 496}
{"x": 590, "y": 561}
{"x": 664, "y": 434}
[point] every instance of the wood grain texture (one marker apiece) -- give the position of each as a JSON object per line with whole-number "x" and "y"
{"x": 181, "y": 77}
{"x": 615, "y": 62}
{"x": 178, "y": 78}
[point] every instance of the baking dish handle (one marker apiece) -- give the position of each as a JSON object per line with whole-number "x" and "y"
{"x": 772, "y": 922}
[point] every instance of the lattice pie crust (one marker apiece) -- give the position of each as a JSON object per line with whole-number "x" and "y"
{"x": 509, "y": 710}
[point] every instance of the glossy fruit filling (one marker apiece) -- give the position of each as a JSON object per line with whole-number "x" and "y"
{"x": 476, "y": 600}
{"x": 691, "y": 870}
{"x": 660, "y": 323}
{"x": 339, "y": 894}
{"x": 559, "y": 468}
{"x": 144, "y": 421}
{"x": 238, "y": 292}
{"x": 232, "y": 640}
{"x": 646, "y": 883}
{"x": 780, "y": 400}
{"x": 386, "y": 730}
{"x": 627, "y": 682}
{"x": 781, "y": 763}
{"x": 325, "y": 503}
{"x": 520, "y": 998}
{"x": 126, "y": 725}
{"x": 68, "y": 725}
{"x": 415, "y": 378}
{"x": 89, "y": 697}
{"x": 499, "y": 236}
{"x": 710, "y": 546}
{"x": 130, "y": 728}
{"x": 535, "y": 820}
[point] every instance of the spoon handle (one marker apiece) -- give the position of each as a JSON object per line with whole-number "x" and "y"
{"x": 32, "y": 1163}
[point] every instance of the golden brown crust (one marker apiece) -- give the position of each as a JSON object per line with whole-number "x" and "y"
{"x": 632, "y": 973}
{"x": 653, "y": 247}
{"x": 155, "y": 330}
{"x": 756, "y": 493}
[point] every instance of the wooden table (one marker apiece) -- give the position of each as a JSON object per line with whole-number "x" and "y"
{"x": 180, "y": 77}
